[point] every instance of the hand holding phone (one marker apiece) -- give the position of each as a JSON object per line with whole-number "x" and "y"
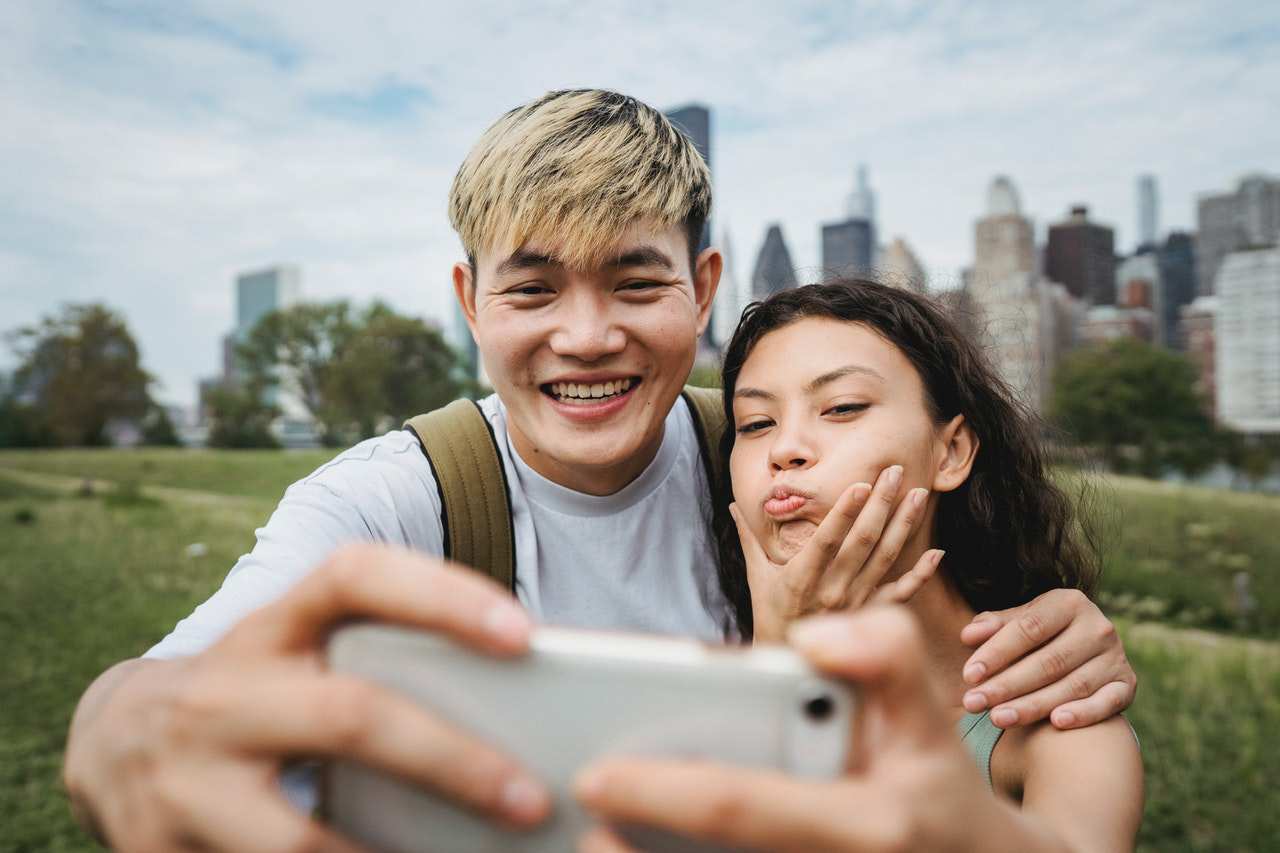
{"x": 576, "y": 697}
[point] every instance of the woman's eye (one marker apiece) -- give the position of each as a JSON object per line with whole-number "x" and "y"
{"x": 847, "y": 409}
{"x": 754, "y": 426}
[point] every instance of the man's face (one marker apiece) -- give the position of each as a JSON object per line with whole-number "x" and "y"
{"x": 589, "y": 362}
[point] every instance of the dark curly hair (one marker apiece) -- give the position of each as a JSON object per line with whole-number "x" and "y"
{"x": 1009, "y": 532}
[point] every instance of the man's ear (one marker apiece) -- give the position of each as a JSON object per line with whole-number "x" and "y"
{"x": 957, "y": 447}
{"x": 706, "y": 278}
{"x": 464, "y": 289}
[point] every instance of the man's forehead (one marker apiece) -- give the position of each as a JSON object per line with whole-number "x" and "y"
{"x": 644, "y": 248}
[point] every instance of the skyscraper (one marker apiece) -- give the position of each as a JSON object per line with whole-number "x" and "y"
{"x": 848, "y": 247}
{"x": 862, "y": 201}
{"x": 260, "y": 292}
{"x": 731, "y": 297}
{"x": 1247, "y": 340}
{"x": 695, "y": 121}
{"x": 1148, "y": 210}
{"x": 1025, "y": 321}
{"x": 1081, "y": 255}
{"x": 900, "y": 267}
{"x": 1004, "y": 242}
{"x": 773, "y": 271}
{"x": 1177, "y": 257}
{"x": 1246, "y": 218}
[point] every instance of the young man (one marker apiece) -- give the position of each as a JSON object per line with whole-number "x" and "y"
{"x": 578, "y": 212}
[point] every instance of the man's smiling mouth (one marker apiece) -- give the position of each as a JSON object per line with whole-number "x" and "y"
{"x": 588, "y": 393}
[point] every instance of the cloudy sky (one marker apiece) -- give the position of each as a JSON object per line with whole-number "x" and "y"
{"x": 150, "y": 151}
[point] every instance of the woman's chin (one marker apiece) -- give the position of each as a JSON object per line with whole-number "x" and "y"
{"x": 789, "y": 538}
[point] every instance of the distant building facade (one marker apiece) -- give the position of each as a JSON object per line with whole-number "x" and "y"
{"x": 1177, "y": 260}
{"x": 1080, "y": 255}
{"x": 1227, "y": 222}
{"x": 900, "y": 267}
{"x": 695, "y": 121}
{"x": 1197, "y": 326}
{"x": 773, "y": 271}
{"x": 848, "y": 248}
{"x": 862, "y": 201}
{"x": 1148, "y": 211}
{"x": 1025, "y": 321}
{"x": 1247, "y": 340}
{"x": 732, "y": 297}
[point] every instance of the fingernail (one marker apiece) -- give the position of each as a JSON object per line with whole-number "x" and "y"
{"x": 523, "y": 798}
{"x": 1062, "y": 719}
{"x": 975, "y": 701}
{"x": 507, "y": 622}
{"x": 975, "y": 672}
{"x": 895, "y": 476}
{"x": 917, "y": 497}
{"x": 1004, "y": 717}
{"x": 938, "y": 555}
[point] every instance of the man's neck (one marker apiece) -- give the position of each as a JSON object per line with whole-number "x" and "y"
{"x": 595, "y": 480}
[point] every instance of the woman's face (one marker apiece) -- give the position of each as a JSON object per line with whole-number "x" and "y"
{"x": 821, "y": 404}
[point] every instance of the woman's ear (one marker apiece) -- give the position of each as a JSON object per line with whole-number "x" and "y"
{"x": 957, "y": 448}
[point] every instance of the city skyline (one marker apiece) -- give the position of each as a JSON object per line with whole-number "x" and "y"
{"x": 160, "y": 152}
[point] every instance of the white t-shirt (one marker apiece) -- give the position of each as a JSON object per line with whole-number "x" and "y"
{"x": 642, "y": 559}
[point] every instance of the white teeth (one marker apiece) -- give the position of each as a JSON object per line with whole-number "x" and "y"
{"x": 592, "y": 391}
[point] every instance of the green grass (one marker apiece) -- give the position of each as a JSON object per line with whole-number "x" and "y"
{"x": 1170, "y": 553}
{"x": 92, "y": 580}
{"x": 246, "y": 473}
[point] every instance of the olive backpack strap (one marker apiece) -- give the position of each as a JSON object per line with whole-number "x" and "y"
{"x": 463, "y": 453}
{"x": 707, "y": 406}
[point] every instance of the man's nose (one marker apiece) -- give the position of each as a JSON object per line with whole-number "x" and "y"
{"x": 587, "y": 332}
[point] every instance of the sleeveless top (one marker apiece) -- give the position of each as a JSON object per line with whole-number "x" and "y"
{"x": 980, "y": 735}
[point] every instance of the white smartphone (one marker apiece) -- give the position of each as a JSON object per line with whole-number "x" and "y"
{"x": 577, "y": 696}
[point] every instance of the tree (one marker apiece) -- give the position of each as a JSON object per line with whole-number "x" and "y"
{"x": 1136, "y": 405}
{"x": 354, "y": 373}
{"x": 158, "y": 429}
{"x": 78, "y": 371}
{"x": 239, "y": 417}
{"x": 705, "y": 376}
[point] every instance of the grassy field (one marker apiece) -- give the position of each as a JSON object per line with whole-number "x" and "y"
{"x": 86, "y": 581}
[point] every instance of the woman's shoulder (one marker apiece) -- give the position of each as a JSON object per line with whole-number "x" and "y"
{"x": 1039, "y": 758}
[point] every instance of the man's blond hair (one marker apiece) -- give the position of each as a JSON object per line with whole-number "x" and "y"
{"x": 576, "y": 168}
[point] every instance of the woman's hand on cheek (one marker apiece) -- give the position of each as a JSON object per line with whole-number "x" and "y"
{"x": 842, "y": 565}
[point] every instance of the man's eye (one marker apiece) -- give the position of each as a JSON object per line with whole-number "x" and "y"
{"x": 529, "y": 290}
{"x": 639, "y": 285}
{"x": 754, "y": 426}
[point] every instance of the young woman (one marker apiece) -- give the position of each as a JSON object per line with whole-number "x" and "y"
{"x": 833, "y": 388}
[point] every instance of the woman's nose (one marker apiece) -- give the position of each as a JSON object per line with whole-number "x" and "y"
{"x": 790, "y": 450}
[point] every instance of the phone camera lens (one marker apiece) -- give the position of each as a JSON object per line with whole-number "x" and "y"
{"x": 819, "y": 708}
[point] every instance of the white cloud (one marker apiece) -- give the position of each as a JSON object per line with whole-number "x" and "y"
{"x": 154, "y": 151}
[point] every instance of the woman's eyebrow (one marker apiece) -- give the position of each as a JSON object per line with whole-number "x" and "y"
{"x": 840, "y": 373}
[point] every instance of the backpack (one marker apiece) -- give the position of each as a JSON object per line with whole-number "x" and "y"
{"x": 475, "y": 497}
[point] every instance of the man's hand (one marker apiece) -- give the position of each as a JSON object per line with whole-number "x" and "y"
{"x": 1057, "y": 656}
{"x": 842, "y": 565}
{"x": 178, "y": 755}
{"x": 910, "y": 786}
